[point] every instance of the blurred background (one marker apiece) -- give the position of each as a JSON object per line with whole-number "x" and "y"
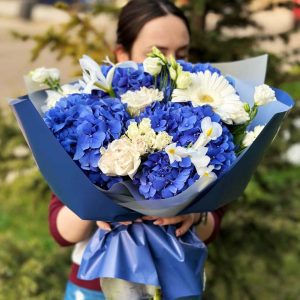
{"x": 257, "y": 253}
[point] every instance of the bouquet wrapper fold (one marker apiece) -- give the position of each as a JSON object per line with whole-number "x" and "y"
{"x": 148, "y": 254}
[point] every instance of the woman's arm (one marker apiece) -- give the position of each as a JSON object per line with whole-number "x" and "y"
{"x": 65, "y": 226}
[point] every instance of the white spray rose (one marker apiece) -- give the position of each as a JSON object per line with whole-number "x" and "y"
{"x": 162, "y": 140}
{"x": 263, "y": 95}
{"x": 40, "y": 75}
{"x": 138, "y": 100}
{"x": 152, "y": 65}
{"x": 252, "y": 135}
{"x": 121, "y": 158}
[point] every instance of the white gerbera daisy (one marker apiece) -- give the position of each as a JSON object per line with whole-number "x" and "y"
{"x": 214, "y": 89}
{"x": 138, "y": 100}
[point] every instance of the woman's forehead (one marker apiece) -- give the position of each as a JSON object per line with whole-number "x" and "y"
{"x": 164, "y": 32}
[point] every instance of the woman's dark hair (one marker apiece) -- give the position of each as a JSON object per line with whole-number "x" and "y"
{"x": 136, "y": 13}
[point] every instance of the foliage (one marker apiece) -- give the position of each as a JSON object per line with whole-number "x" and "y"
{"x": 257, "y": 254}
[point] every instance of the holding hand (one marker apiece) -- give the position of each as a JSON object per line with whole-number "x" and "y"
{"x": 187, "y": 221}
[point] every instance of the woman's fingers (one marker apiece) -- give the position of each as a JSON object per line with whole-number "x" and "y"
{"x": 149, "y": 218}
{"x": 126, "y": 223}
{"x": 169, "y": 221}
{"x": 103, "y": 225}
{"x": 106, "y": 226}
{"x": 186, "y": 224}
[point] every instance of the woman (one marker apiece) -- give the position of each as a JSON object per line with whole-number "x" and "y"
{"x": 142, "y": 25}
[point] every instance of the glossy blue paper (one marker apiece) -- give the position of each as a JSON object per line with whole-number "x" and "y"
{"x": 70, "y": 184}
{"x": 148, "y": 254}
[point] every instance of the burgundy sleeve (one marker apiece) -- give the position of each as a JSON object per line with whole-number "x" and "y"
{"x": 217, "y": 215}
{"x": 54, "y": 207}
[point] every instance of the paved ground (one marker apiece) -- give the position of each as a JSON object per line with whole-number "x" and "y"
{"x": 15, "y": 55}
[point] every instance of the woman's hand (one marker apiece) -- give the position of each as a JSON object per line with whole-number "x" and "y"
{"x": 186, "y": 221}
{"x": 106, "y": 226}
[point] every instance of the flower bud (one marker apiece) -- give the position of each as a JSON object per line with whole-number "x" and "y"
{"x": 152, "y": 65}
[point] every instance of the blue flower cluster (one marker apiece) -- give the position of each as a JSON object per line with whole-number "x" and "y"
{"x": 183, "y": 122}
{"x": 128, "y": 79}
{"x": 160, "y": 179}
{"x": 83, "y": 124}
{"x": 195, "y": 68}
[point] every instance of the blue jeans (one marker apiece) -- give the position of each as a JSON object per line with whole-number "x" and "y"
{"x": 75, "y": 292}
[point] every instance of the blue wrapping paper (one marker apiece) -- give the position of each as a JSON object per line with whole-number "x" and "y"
{"x": 148, "y": 254}
{"x": 123, "y": 202}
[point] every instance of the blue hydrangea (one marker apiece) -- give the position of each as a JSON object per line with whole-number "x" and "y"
{"x": 129, "y": 79}
{"x": 83, "y": 124}
{"x": 183, "y": 122}
{"x": 160, "y": 179}
{"x": 195, "y": 68}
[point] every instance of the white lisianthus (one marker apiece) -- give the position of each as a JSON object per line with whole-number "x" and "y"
{"x": 162, "y": 140}
{"x": 252, "y": 135}
{"x": 138, "y": 100}
{"x": 54, "y": 96}
{"x": 215, "y": 90}
{"x": 152, "y": 65}
{"x": 121, "y": 158}
{"x": 40, "y": 75}
{"x": 176, "y": 153}
{"x": 210, "y": 131}
{"x": 183, "y": 80}
{"x": 263, "y": 95}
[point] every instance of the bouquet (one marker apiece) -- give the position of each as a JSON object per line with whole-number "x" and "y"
{"x": 161, "y": 138}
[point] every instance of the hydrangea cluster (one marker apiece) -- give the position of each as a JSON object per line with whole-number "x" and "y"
{"x": 160, "y": 179}
{"x": 128, "y": 79}
{"x": 83, "y": 124}
{"x": 195, "y": 68}
{"x": 183, "y": 122}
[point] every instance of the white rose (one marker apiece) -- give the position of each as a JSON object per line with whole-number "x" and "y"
{"x": 184, "y": 80}
{"x": 152, "y": 65}
{"x": 138, "y": 100}
{"x": 252, "y": 135}
{"x": 263, "y": 94}
{"x": 120, "y": 159}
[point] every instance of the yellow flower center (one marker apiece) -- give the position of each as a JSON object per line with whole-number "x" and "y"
{"x": 206, "y": 99}
{"x": 209, "y": 132}
{"x": 172, "y": 151}
{"x": 205, "y": 174}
